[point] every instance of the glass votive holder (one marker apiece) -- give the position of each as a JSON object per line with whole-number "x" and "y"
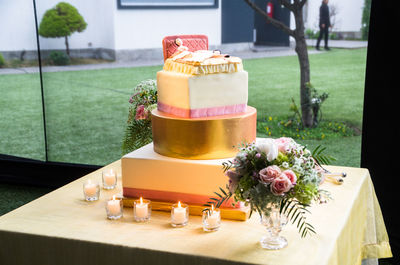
{"x": 141, "y": 210}
{"x": 109, "y": 179}
{"x": 91, "y": 190}
{"x": 179, "y": 214}
{"x": 211, "y": 219}
{"x": 114, "y": 208}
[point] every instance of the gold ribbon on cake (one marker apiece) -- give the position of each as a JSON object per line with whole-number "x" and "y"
{"x": 202, "y": 138}
{"x": 202, "y": 69}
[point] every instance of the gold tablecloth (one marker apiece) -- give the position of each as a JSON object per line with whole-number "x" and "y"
{"x": 61, "y": 228}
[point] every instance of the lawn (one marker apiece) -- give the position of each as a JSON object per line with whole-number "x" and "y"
{"x": 86, "y": 111}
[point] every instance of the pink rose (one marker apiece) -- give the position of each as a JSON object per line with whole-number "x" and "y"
{"x": 283, "y": 144}
{"x": 141, "y": 113}
{"x": 280, "y": 185}
{"x": 269, "y": 173}
{"x": 290, "y": 175}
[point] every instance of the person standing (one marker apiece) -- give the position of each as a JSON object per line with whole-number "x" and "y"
{"x": 324, "y": 24}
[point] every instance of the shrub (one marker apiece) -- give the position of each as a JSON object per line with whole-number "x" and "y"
{"x": 59, "y": 58}
{"x": 2, "y": 61}
{"x": 311, "y": 34}
{"x": 61, "y": 22}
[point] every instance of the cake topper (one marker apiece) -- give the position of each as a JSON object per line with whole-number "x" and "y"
{"x": 181, "y": 47}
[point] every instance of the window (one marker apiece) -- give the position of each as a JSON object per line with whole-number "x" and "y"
{"x": 167, "y": 3}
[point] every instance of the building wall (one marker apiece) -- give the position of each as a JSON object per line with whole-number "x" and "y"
{"x": 145, "y": 28}
{"x": 348, "y": 18}
{"x": 121, "y": 32}
{"x": 99, "y": 32}
{"x": 17, "y": 25}
{"x": 109, "y": 28}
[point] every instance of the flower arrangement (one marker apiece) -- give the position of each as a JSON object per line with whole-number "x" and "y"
{"x": 276, "y": 173}
{"x": 138, "y": 130}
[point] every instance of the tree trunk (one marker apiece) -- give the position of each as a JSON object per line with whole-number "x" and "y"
{"x": 305, "y": 95}
{"x": 66, "y": 44}
{"x": 302, "y": 54}
{"x": 295, "y": 6}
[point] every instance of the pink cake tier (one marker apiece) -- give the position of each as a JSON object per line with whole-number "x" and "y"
{"x": 202, "y": 83}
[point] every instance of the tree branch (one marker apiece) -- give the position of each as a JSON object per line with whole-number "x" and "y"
{"x": 287, "y": 4}
{"x": 274, "y": 22}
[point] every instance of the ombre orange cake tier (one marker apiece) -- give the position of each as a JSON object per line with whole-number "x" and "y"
{"x": 212, "y": 137}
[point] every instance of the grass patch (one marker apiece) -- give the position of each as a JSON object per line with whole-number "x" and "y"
{"x": 86, "y": 111}
{"x": 277, "y": 127}
{"x": 14, "y": 196}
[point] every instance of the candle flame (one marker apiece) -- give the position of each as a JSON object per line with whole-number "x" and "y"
{"x": 179, "y": 204}
{"x": 141, "y": 200}
{"x": 113, "y": 197}
{"x": 212, "y": 207}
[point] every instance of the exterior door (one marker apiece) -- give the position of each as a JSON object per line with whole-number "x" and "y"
{"x": 266, "y": 34}
{"x": 237, "y": 21}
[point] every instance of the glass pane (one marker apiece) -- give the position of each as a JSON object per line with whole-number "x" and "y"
{"x": 86, "y": 97}
{"x": 21, "y": 122}
{"x": 167, "y": 3}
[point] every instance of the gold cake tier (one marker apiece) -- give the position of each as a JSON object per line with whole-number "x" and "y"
{"x": 202, "y": 138}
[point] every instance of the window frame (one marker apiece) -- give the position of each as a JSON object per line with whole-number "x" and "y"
{"x": 171, "y": 5}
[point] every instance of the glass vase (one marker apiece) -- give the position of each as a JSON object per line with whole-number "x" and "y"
{"x": 274, "y": 221}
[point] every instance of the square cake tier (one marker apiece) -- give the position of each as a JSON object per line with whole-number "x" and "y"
{"x": 193, "y": 96}
{"x": 150, "y": 175}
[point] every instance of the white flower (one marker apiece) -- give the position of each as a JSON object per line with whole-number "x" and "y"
{"x": 269, "y": 147}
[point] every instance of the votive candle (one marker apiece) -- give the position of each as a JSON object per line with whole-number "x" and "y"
{"x": 109, "y": 179}
{"x": 211, "y": 219}
{"x": 91, "y": 190}
{"x": 179, "y": 214}
{"x": 141, "y": 210}
{"x": 114, "y": 208}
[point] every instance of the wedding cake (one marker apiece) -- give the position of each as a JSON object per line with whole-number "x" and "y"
{"x": 201, "y": 118}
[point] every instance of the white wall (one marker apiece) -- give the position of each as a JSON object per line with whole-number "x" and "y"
{"x": 108, "y": 27}
{"x": 99, "y": 32}
{"x": 18, "y": 30}
{"x": 145, "y": 28}
{"x": 17, "y": 24}
{"x": 348, "y": 18}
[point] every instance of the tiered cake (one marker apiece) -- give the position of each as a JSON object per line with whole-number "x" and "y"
{"x": 201, "y": 117}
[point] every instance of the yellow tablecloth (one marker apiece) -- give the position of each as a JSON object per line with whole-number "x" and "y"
{"x": 61, "y": 228}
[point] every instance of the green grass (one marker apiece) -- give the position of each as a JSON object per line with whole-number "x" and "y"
{"x": 86, "y": 111}
{"x": 14, "y": 196}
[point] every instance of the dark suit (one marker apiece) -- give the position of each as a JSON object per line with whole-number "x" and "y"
{"x": 324, "y": 20}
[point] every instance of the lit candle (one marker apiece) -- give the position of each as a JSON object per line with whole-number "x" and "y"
{"x": 114, "y": 206}
{"x": 179, "y": 215}
{"x": 213, "y": 218}
{"x": 109, "y": 179}
{"x": 90, "y": 189}
{"x": 141, "y": 209}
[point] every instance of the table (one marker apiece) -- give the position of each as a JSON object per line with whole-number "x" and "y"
{"x": 61, "y": 228}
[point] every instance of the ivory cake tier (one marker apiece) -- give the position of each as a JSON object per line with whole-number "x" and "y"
{"x": 152, "y": 176}
{"x": 192, "y": 96}
{"x": 202, "y": 138}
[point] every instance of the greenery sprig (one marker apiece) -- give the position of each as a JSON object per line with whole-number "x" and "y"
{"x": 257, "y": 168}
